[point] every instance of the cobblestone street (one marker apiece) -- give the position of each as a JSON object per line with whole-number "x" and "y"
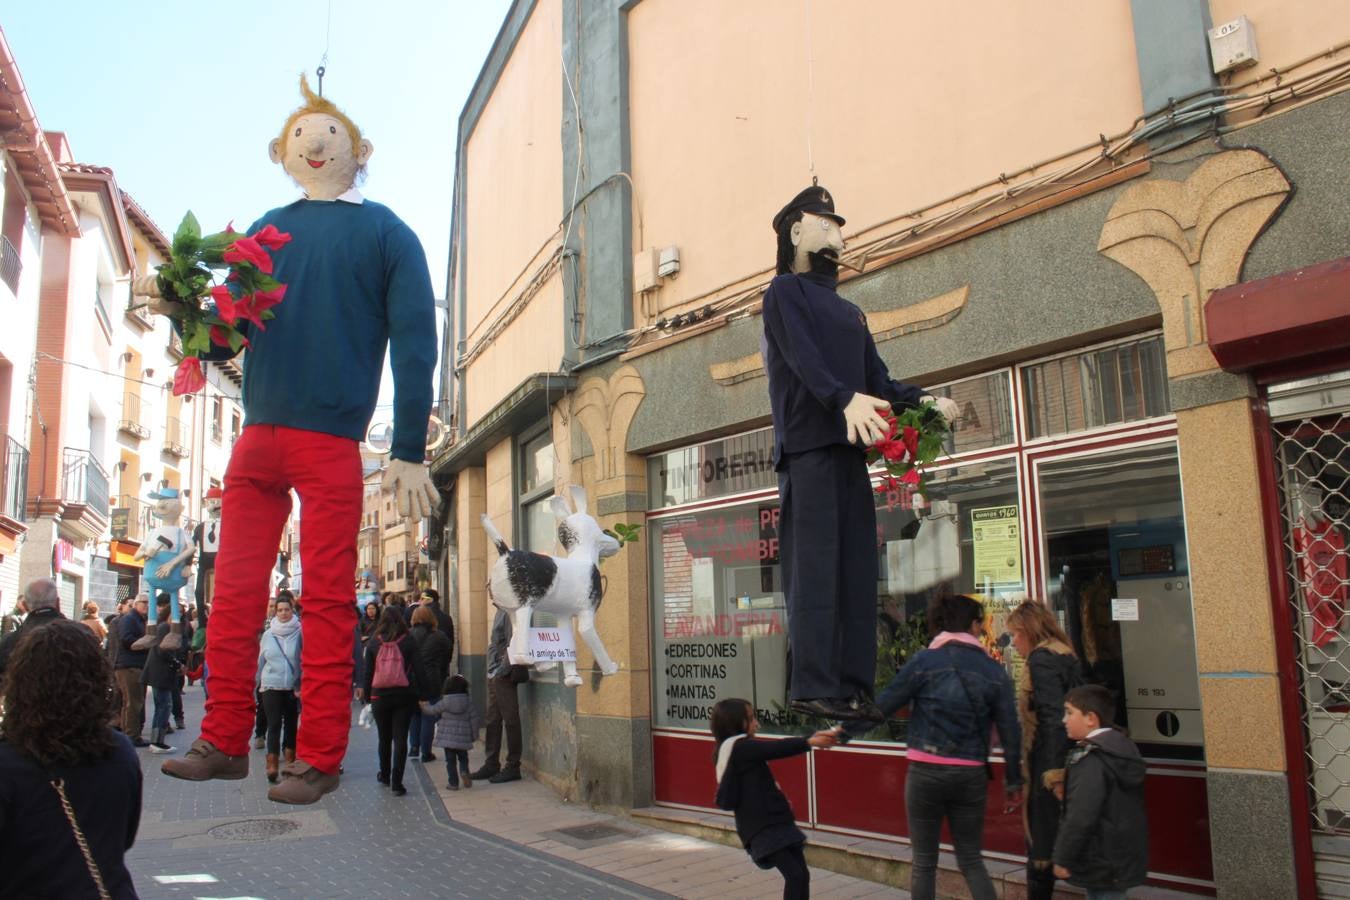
{"x": 224, "y": 839}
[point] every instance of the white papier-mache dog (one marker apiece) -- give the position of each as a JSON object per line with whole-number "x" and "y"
{"x": 522, "y": 582}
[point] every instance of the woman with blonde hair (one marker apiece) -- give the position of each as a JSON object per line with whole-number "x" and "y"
{"x": 1049, "y": 672}
{"x": 93, "y": 622}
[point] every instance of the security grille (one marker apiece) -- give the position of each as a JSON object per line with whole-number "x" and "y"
{"x": 1313, "y": 457}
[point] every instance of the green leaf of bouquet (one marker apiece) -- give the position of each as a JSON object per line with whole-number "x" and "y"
{"x": 236, "y": 340}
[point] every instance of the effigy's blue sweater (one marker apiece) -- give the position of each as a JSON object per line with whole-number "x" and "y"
{"x": 356, "y": 280}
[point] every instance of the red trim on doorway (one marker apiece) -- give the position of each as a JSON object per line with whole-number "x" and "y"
{"x": 1291, "y": 702}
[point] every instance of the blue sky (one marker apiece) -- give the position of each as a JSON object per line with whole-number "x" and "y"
{"x": 180, "y": 100}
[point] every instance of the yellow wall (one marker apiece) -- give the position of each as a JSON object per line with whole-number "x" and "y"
{"x": 1287, "y": 31}
{"x": 514, "y": 168}
{"x": 913, "y": 102}
{"x": 533, "y": 343}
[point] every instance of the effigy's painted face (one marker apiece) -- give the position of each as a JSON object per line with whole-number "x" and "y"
{"x": 318, "y": 153}
{"x": 815, "y": 234}
{"x": 168, "y": 509}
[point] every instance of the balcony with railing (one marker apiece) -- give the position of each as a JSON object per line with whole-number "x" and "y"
{"x": 176, "y": 437}
{"x": 137, "y": 313}
{"x": 13, "y": 479}
{"x": 10, "y": 264}
{"x": 128, "y": 518}
{"x": 84, "y": 482}
{"x": 130, "y": 421}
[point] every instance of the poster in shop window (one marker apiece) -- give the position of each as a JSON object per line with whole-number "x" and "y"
{"x": 998, "y": 545}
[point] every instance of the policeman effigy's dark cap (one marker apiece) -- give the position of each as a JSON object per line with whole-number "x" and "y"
{"x": 815, "y": 200}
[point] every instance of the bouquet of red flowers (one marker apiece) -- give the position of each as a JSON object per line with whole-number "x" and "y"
{"x": 189, "y": 279}
{"x": 913, "y": 442}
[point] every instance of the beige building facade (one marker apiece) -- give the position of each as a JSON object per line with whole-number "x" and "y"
{"x": 1125, "y": 267}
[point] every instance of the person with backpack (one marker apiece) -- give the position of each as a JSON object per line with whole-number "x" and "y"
{"x": 279, "y": 684}
{"x": 392, "y": 687}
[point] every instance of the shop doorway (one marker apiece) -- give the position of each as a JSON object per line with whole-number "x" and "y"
{"x": 1311, "y": 442}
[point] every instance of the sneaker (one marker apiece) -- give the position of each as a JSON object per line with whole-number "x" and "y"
{"x": 504, "y": 776}
{"x": 465, "y": 778}
{"x": 452, "y": 787}
{"x": 485, "y": 771}
{"x": 398, "y": 790}
{"x": 382, "y": 779}
{"x": 259, "y": 742}
{"x": 428, "y": 757}
{"x": 160, "y": 747}
{"x": 302, "y": 784}
{"x": 178, "y": 723}
{"x": 139, "y": 742}
{"x": 204, "y": 761}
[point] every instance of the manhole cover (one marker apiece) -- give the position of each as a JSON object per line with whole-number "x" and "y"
{"x": 583, "y": 836}
{"x": 253, "y": 829}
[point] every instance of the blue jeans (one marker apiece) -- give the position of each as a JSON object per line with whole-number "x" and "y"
{"x": 956, "y": 793}
{"x": 456, "y": 761}
{"x": 163, "y": 704}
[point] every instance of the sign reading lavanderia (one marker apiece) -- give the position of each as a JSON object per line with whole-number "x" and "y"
{"x": 717, "y": 468}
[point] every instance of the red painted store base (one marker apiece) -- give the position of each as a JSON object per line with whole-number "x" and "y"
{"x": 863, "y": 790}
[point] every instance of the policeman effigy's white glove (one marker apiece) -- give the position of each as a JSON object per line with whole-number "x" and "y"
{"x": 411, "y": 485}
{"x": 863, "y": 419}
{"x": 945, "y": 405}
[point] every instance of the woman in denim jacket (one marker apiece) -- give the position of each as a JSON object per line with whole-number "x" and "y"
{"x": 955, "y": 692}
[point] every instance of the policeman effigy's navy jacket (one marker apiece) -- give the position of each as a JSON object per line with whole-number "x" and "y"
{"x": 818, "y": 353}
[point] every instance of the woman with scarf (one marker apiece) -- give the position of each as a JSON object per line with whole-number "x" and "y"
{"x": 955, "y": 692}
{"x": 279, "y": 683}
{"x": 1051, "y": 670}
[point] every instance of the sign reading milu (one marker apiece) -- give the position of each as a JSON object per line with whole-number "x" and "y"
{"x": 554, "y": 644}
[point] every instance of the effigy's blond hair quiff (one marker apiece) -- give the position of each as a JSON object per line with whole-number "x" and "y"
{"x": 315, "y": 104}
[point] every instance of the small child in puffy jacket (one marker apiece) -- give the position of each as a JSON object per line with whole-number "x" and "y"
{"x": 456, "y": 729}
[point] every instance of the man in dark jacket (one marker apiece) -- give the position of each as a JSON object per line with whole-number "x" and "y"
{"x": 43, "y": 603}
{"x": 503, "y": 712}
{"x": 1103, "y": 837}
{"x": 128, "y": 667}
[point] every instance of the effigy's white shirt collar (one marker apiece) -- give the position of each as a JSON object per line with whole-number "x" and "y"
{"x": 351, "y": 195}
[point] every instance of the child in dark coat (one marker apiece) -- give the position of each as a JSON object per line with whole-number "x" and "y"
{"x": 456, "y": 728}
{"x": 764, "y": 819}
{"x": 1102, "y": 844}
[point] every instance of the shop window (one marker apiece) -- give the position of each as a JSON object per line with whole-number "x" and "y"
{"x": 721, "y": 625}
{"x": 1116, "y": 564}
{"x": 1106, "y": 386}
{"x": 986, "y": 415}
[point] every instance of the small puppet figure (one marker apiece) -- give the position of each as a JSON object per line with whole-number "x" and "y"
{"x": 357, "y": 284}
{"x": 522, "y": 582}
{"x": 827, "y": 389}
{"x": 207, "y": 538}
{"x": 167, "y": 551}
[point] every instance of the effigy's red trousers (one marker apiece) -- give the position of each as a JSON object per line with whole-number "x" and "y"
{"x": 267, "y": 462}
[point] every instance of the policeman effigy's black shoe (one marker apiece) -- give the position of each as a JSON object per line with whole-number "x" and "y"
{"x": 841, "y": 708}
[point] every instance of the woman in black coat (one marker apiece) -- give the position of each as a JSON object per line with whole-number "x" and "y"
{"x": 433, "y": 665}
{"x": 392, "y": 691}
{"x": 1051, "y": 670}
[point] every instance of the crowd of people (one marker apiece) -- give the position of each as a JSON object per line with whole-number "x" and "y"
{"x": 1079, "y": 780}
{"x": 74, "y": 708}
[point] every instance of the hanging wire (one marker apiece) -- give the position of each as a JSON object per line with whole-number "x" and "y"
{"x": 810, "y": 90}
{"x": 327, "y": 42}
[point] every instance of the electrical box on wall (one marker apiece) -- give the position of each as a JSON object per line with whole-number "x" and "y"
{"x": 644, "y": 271}
{"x": 669, "y": 265}
{"x": 1232, "y": 45}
